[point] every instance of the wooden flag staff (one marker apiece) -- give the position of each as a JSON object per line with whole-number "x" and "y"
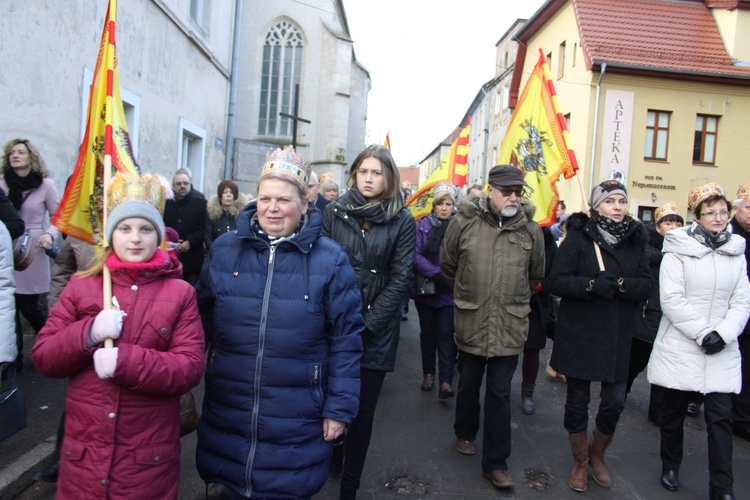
{"x": 106, "y": 275}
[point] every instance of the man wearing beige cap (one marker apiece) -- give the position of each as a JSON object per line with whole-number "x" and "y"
{"x": 741, "y": 402}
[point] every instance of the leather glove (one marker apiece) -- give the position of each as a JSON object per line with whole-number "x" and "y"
{"x": 107, "y": 325}
{"x": 604, "y": 285}
{"x": 105, "y": 362}
{"x": 713, "y": 343}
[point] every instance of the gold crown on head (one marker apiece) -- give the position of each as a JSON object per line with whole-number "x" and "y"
{"x": 743, "y": 192}
{"x": 287, "y": 165}
{"x": 670, "y": 208}
{"x": 700, "y": 193}
{"x": 128, "y": 187}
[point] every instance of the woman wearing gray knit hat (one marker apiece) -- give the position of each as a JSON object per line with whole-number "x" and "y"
{"x": 123, "y": 402}
{"x": 600, "y": 272}
{"x": 435, "y": 308}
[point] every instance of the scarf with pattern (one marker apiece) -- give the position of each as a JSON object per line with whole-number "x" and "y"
{"x": 616, "y": 229}
{"x": 707, "y": 238}
{"x": 374, "y": 212}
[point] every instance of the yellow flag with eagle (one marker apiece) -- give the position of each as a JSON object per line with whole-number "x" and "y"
{"x": 80, "y": 213}
{"x": 453, "y": 168}
{"x": 537, "y": 142}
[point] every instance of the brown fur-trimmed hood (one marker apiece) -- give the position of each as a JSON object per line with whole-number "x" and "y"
{"x": 214, "y": 210}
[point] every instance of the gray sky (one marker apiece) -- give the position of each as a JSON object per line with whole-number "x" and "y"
{"x": 427, "y": 60}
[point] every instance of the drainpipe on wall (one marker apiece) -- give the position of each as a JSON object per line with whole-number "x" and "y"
{"x": 229, "y": 148}
{"x": 596, "y": 126}
{"x": 483, "y": 173}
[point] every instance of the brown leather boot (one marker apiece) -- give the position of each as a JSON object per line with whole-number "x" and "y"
{"x": 579, "y": 478}
{"x": 599, "y": 444}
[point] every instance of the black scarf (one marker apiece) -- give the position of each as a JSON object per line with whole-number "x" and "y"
{"x": 705, "y": 237}
{"x": 436, "y": 236}
{"x": 616, "y": 229}
{"x": 17, "y": 185}
{"x": 374, "y": 212}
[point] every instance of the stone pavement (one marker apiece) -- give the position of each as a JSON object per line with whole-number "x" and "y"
{"x": 412, "y": 454}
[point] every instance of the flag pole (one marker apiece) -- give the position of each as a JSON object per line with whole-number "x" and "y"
{"x": 584, "y": 196}
{"x": 106, "y": 274}
{"x": 108, "y": 146}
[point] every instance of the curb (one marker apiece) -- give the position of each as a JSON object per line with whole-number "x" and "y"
{"x": 17, "y": 477}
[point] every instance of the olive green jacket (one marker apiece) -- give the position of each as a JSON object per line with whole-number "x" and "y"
{"x": 494, "y": 270}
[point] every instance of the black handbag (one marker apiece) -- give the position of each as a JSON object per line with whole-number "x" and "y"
{"x": 12, "y": 405}
{"x": 424, "y": 285}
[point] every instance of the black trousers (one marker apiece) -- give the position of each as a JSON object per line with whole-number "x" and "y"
{"x": 28, "y": 305}
{"x": 436, "y": 334}
{"x": 496, "y": 431}
{"x": 360, "y": 431}
{"x": 741, "y": 401}
{"x": 577, "y": 406}
{"x": 640, "y": 352}
{"x": 717, "y": 409}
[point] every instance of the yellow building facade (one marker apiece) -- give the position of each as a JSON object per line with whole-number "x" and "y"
{"x": 656, "y": 113}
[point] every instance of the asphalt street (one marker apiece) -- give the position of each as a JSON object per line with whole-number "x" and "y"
{"x": 412, "y": 454}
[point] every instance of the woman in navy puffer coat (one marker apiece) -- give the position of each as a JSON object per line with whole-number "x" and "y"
{"x": 283, "y": 369}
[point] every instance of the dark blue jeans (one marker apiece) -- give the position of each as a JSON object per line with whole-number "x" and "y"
{"x": 496, "y": 430}
{"x": 577, "y": 406}
{"x": 436, "y": 333}
{"x": 360, "y": 431}
{"x": 717, "y": 409}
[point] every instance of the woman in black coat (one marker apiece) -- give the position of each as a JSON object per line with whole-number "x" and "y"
{"x": 222, "y": 211}
{"x": 539, "y": 318}
{"x": 649, "y": 312}
{"x": 600, "y": 272}
{"x": 378, "y": 234}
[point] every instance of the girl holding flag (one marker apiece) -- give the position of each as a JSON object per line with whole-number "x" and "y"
{"x": 122, "y": 429}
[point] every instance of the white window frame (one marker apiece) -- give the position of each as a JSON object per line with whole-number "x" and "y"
{"x": 200, "y": 13}
{"x": 197, "y": 158}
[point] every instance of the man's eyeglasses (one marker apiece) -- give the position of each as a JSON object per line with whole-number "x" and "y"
{"x": 519, "y": 192}
{"x": 712, "y": 215}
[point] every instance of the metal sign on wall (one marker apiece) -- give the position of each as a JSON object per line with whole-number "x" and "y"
{"x": 616, "y": 135}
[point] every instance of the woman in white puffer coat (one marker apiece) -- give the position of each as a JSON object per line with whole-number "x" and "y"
{"x": 705, "y": 300}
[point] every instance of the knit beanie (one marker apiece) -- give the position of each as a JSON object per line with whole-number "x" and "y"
{"x": 134, "y": 209}
{"x": 604, "y": 190}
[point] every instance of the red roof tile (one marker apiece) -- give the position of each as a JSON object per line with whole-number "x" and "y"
{"x": 661, "y": 35}
{"x": 410, "y": 173}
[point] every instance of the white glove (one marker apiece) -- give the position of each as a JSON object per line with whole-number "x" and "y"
{"x": 107, "y": 325}
{"x": 105, "y": 362}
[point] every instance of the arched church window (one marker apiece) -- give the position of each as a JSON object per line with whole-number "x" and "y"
{"x": 282, "y": 68}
